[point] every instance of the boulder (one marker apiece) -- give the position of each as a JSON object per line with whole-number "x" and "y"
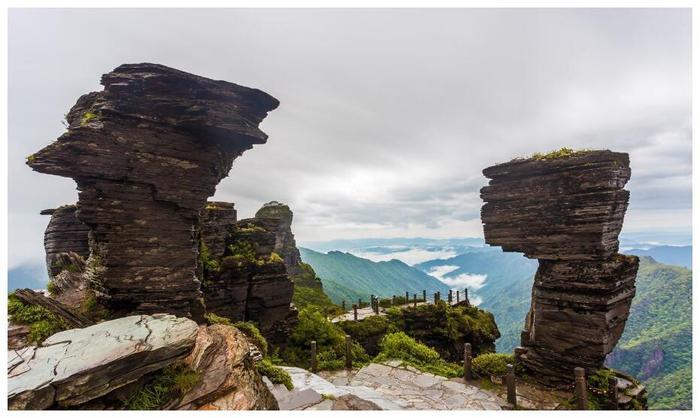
{"x": 221, "y": 355}
{"x": 566, "y": 211}
{"x": 75, "y": 366}
{"x": 146, "y": 152}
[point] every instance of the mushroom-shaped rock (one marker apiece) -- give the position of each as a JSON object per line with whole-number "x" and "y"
{"x": 146, "y": 152}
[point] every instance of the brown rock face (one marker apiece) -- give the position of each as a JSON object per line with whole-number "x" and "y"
{"x": 222, "y": 356}
{"x": 65, "y": 234}
{"x": 566, "y": 212}
{"x": 146, "y": 152}
{"x": 250, "y": 282}
{"x": 285, "y": 245}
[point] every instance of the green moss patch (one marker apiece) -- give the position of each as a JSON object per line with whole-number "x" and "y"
{"x": 42, "y": 323}
{"x": 276, "y": 374}
{"x": 492, "y": 364}
{"x": 399, "y": 346}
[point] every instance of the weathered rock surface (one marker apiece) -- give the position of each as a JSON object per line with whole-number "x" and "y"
{"x": 228, "y": 378}
{"x": 146, "y": 152}
{"x": 70, "y": 317}
{"x": 566, "y": 212}
{"x": 251, "y": 283}
{"x": 75, "y": 366}
{"x": 216, "y": 222}
{"x": 64, "y": 235}
{"x": 285, "y": 244}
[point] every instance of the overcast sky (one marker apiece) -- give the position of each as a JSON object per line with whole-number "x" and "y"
{"x": 387, "y": 117}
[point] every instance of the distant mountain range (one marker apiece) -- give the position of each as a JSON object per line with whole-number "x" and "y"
{"x": 667, "y": 254}
{"x": 348, "y": 277}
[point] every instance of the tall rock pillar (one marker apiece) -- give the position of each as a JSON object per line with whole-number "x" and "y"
{"x": 567, "y": 212}
{"x": 146, "y": 152}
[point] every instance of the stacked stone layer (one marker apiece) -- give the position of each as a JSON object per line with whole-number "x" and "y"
{"x": 146, "y": 152}
{"x": 217, "y": 218}
{"x": 252, "y": 284}
{"x": 567, "y": 213}
{"x": 285, "y": 244}
{"x": 64, "y": 234}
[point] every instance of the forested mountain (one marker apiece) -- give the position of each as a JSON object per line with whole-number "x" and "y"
{"x": 347, "y": 277}
{"x": 667, "y": 254}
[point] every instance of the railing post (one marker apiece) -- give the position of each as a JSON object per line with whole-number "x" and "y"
{"x": 425, "y": 297}
{"x": 314, "y": 364}
{"x": 393, "y": 300}
{"x": 467, "y": 361}
{"x": 348, "y": 352}
{"x": 343, "y": 306}
{"x": 407, "y": 302}
{"x": 376, "y": 306}
{"x": 438, "y": 297}
{"x": 449, "y": 297}
{"x": 354, "y": 311}
{"x": 435, "y": 297}
{"x": 466, "y": 296}
{"x": 612, "y": 392}
{"x": 510, "y": 385}
{"x": 580, "y": 389}
{"x": 457, "y": 292}
{"x": 415, "y": 300}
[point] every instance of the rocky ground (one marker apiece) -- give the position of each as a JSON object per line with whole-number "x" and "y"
{"x": 390, "y": 385}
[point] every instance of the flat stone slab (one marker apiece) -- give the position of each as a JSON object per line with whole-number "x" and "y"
{"x": 408, "y": 388}
{"x": 74, "y": 366}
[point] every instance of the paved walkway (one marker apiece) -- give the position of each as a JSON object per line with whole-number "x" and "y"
{"x": 382, "y": 386}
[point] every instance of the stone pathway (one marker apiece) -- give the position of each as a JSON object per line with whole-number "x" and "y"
{"x": 387, "y": 386}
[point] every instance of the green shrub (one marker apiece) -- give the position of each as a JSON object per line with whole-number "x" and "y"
{"x": 276, "y": 374}
{"x": 399, "y": 346}
{"x": 52, "y": 288}
{"x": 560, "y": 153}
{"x": 168, "y": 383}
{"x": 205, "y": 259}
{"x": 330, "y": 342}
{"x": 253, "y": 333}
{"x": 492, "y": 364}
{"x": 213, "y": 319}
{"x": 42, "y": 323}
{"x": 88, "y": 117}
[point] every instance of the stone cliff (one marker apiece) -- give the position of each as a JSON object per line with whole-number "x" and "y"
{"x": 285, "y": 245}
{"x": 146, "y": 152}
{"x": 566, "y": 211}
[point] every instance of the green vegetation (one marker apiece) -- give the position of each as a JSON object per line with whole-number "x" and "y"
{"x": 447, "y": 328}
{"x": 88, "y": 117}
{"x": 91, "y": 308}
{"x": 242, "y": 252}
{"x": 399, "y": 346}
{"x": 41, "y": 322}
{"x": 560, "y": 153}
{"x": 253, "y": 334}
{"x": 349, "y": 278}
{"x": 276, "y": 374}
{"x": 492, "y": 364}
{"x": 31, "y": 158}
{"x": 656, "y": 344}
{"x": 52, "y": 288}
{"x": 205, "y": 259}
{"x": 330, "y": 342}
{"x": 166, "y": 384}
{"x": 368, "y": 332}
{"x": 308, "y": 292}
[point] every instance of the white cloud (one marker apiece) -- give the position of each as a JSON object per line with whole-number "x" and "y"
{"x": 384, "y": 131}
{"x": 411, "y": 257}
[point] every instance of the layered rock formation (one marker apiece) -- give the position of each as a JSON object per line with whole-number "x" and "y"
{"x": 146, "y": 152}
{"x": 76, "y": 366}
{"x": 222, "y": 356}
{"x": 65, "y": 238}
{"x": 250, "y": 281}
{"x": 566, "y": 212}
{"x": 285, "y": 245}
{"x": 215, "y": 223}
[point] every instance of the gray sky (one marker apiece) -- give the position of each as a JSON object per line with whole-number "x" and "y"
{"x": 387, "y": 117}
